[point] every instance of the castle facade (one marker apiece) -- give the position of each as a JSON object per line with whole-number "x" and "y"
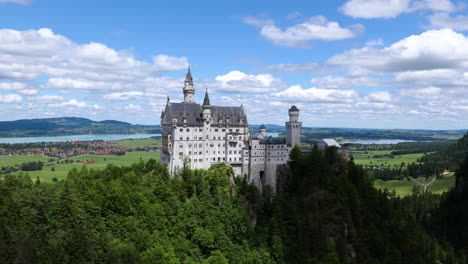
{"x": 198, "y": 136}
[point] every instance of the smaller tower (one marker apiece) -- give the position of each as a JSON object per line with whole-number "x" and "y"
{"x": 294, "y": 127}
{"x": 189, "y": 89}
{"x": 262, "y": 132}
{"x": 206, "y": 109}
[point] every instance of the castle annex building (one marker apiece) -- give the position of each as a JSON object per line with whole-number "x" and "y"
{"x": 198, "y": 136}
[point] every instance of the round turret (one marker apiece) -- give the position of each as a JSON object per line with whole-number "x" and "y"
{"x": 293, "y": 114}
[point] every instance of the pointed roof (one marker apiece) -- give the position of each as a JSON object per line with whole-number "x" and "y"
{"x": 293, "y": 108}
{"x": 262, "y": 126}
{"x": 188, "y": 77}
{"x": 206, "y": 101}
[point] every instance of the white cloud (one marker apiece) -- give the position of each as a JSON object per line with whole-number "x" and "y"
{"x": 132, "y": 107}
{"x": 10, "y": 99}
{"x": 122, "y": 96}
{"x": 71, "y": 103}
{"x": 299, "y": 35}
{"x": 344, "y": 81}
{"x": 380, "y": 96}
{"x": 28, "y": 92}
{"x": 392, "y": 8}
{"x": 12, "y": 86}
{"x": 48, "y": 99}
{"x": 435, "y": 49}
{"x": 444, "y": 20}
{"x": 237, "y": 81}
{"x": 297, "y": 93}
{"x": 168, "y": 63}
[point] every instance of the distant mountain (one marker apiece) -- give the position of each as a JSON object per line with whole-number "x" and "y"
{"x": 61, "y": 126}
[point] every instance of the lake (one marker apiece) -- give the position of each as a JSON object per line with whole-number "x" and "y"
{"x": 75, "y": 138}
{"x": 376, "y": 141}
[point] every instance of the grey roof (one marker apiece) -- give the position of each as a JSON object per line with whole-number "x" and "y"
{"x": 193, "y": 114}
{"x": 331, "y": 142}
{"x": 294, "y": 108}
{"x": 206, "y": 101}
{"x": 273, "y": 140}
{"x": 262, "y": 126}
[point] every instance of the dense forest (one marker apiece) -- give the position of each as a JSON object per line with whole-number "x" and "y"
{"x": 325, "y": 211}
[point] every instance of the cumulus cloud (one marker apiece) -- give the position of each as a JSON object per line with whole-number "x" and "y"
{"x": 168, "y": 63}
{"x": 237, "y": 81}
{"x": 10, "y": 99}
{"x": 300, "y": 35}
{"x": 392, "y": 8}
{"x": 300, "y": 94}
{"x": 122, "y": 96}
{"x": 444, "y": 20}
{"x": 28, "y": 92}
{"x": 434, "y": 49}
{"x": 71, "y": 103}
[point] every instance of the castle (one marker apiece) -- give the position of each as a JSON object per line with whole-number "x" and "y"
{"x": 198, "y": 136}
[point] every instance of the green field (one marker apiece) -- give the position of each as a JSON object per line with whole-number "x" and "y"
{"x": 405, "y": 187}
{"x": 138, "y": 143}
{"x": 61, "y": 170}
{"x": 367, "y": 158}
{"x": 17, "y": 160}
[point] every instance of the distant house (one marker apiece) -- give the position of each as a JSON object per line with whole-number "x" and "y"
{"x": 328, "y": 142}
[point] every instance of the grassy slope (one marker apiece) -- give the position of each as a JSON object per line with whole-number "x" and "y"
{"x": 138, "y": 143}
{"x": 361, "y": 158}
{"x": 17, "y": 160}
{"x": 61, "y": 170}
{"x": 405, "y": 187}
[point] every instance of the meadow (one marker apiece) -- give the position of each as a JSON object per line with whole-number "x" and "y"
{"x": 405, "y": 187}
{"x": 375, "y": 157}
{"x": 139, "y": 143}
{"x": 60, "y": 170}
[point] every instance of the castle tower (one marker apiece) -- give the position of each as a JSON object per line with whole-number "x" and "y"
{"x": 294, "y": 127}
{"x": 189, "y": 89}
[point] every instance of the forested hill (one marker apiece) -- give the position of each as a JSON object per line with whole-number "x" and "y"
{"x": 326, "y": 211}
{"x": 69, "y": 126}
{"x": 452, "y": 217}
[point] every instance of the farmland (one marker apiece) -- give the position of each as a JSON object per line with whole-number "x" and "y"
{"x": 405, "y": 187}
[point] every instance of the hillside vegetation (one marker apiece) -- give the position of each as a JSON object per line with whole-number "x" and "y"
{"x": 69, "y": 126}
{"x": 326, "y": 211}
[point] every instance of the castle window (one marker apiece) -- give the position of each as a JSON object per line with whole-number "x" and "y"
{"x": 181, "y": 130}
{"x": 187, "y": 138}
{"x": 237, "y": 130}
{"x": 230, "y": 130}
{"x": 200, "y": 145}
{"x": 181, "y": 153}
{"x": 181, "y": 146}
{"x": 223, "y": 130}
{"x": 216, "y": 130}
{"x": 190, "y": 145}
{"x": 181, "y": 138}
{"x": 190, "y": 152}
{"x": 188, "y": 130}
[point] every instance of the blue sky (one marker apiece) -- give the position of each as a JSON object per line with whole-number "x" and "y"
{"x": 348, "y": 63}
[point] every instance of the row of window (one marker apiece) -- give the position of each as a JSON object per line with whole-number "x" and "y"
{"x": 214, "y": 138}
{"x": 201, "y": 130}
{"x": 214, "y": 159}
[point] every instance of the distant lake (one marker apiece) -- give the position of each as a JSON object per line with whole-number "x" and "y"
{"x": 377, "y": 141}
{"x": 75, "y": 138}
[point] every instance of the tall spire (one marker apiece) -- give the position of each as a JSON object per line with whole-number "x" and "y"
{"x": 206, "y": 101}
{"x": 188, "y": 77}
{"x": 189, "y": 89}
